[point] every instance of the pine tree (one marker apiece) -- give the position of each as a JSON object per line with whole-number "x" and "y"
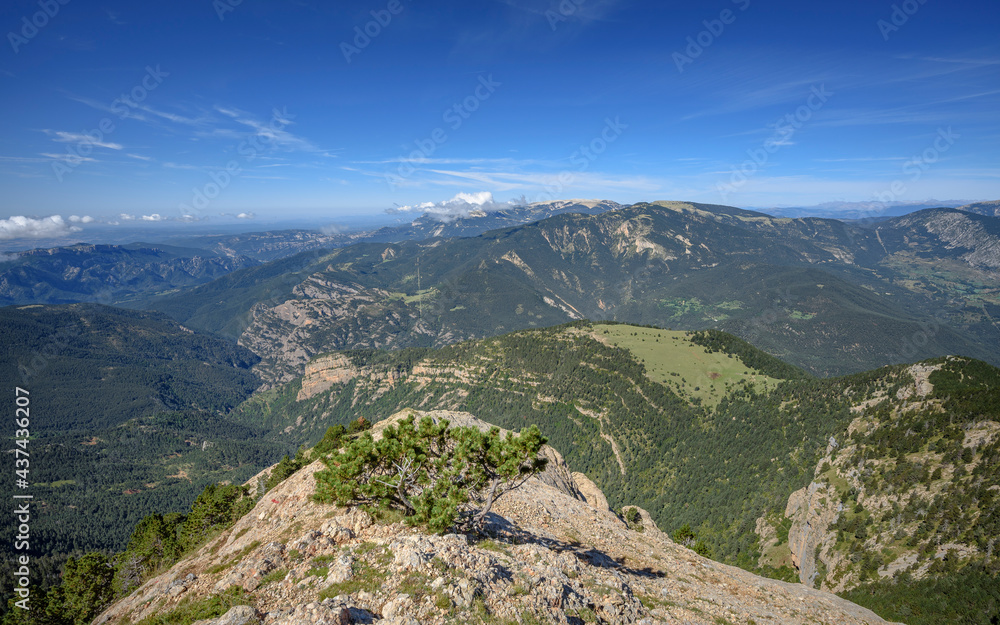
{"x": 437, "y": 476}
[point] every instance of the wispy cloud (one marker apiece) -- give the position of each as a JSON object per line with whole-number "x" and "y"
{"x": 863, "y": 159}
{"x": 274, "y": 132}
{"x": 179, "y": 119}
{"x": 510, "y": 181}
{"x": 31, "y": 159}
{"x": 115, "y": 17}
{"x": 70, "y": 158}
{"x": 60, "y": 136}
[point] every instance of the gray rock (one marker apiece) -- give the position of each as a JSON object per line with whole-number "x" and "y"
{"x": 239, "y": 615}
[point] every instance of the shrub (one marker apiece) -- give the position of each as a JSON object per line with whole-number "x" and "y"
{"x": 684, "y": 536}
{"x": 285, "y": 468}
{"x": 216, "y": 508}
{"x": 633, "y": 519}
{"x": 438, "y": 476}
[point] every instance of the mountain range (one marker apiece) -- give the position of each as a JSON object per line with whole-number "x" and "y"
{"x": 808, "y": 399}
{"x": 108, "y": 274}
{"x": 825, "y": 295}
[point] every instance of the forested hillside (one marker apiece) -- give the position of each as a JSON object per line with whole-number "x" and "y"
{"x": 715, "y": 438}
{"x": 717, "y": 446}
{"x": 108, "y": 274}
{"x": 127, "y": 416}
{"x": 824, "y": 295}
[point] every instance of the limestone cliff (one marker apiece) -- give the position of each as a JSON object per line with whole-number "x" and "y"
{"x": 906, "y": 489}
{"x": 323, "y": 372}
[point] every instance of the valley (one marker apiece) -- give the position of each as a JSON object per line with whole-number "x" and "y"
{"x": 822, "y": 294}
{"x": 809, "y": 400}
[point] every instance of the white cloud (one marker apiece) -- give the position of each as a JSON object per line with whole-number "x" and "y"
{"x": 72, "y": 159}
{"x": 8, "y": 257}
{"x": 126, "y": 217}
{"x": 86, "y": 219}
{"x": 153, "y": 217}
{"x": 246, "y": 216}
{"x": 141, "y": 158}
{"x": 82, "y": 139}
{"x": 179, "y": 119}
{"x": 18, "y": 227}
{"x": 459, "y": 206}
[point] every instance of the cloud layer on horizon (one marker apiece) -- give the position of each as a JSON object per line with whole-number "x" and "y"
{"x": 459, "y": 206}
{"x": 21, "y": 227}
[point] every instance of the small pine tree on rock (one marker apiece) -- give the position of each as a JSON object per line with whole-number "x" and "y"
{"x": 438, "y": 476}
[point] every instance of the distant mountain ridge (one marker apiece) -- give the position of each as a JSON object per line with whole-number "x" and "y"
{"x": 990, "y": 209}
{"x": 864, "y": 211}
{"x": 275, "y": 245}
{"x": 476, "y": 222}
{"x": 108, "y": 274}
{"x": 823, "y": 294}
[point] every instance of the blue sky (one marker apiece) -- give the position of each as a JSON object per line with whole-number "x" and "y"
{"x": 191, "y": 110}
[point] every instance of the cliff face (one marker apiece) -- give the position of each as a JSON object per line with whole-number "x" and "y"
{"x": 552, "y": 558}
{"x": 908, "y": 488}
{"x": 323, "y": 372}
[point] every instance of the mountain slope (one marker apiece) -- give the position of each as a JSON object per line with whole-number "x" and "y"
{"x": 555, "y": 558}
{"x": 476, "y": 222}
{"x": 990, "y": 209}
{"x": 911, "y": 484}
{"x": 127, "y": 416}
{"x": 108, "y": 273}
{"x": 140, "y": 362}
{"x": 706, "y": 431}
{"x": 821, "y": 294}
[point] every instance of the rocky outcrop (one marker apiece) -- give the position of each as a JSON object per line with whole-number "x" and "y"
{"x": 921, "y": 386}
{"x": 323, "y": 373}
{"x": 321, "y": 316}
{"x": 591, "y": 493}
{"x": 550, "y": 557}
{"x": 813, "y": 510}
{"x": 870, "y": 509}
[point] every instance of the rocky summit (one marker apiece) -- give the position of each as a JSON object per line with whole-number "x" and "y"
{"x": 552, "y": 552}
